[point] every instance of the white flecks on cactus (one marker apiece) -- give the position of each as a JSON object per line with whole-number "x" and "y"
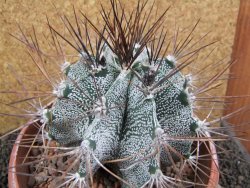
{"x": 171, "y": 58}
{"x": 189, "y": 81}
{"x": 159, "y": 131}
{"x": 143, "y": 58}
{"x": 85, "y": 145}
{"x": 83, "y": 55}
{"x": 47, "y": 136}
{"x": 190, "y": 97}
{"x": 150, "y": 96}
{"x": 65, "y": 65}
{"x": 123, "y": 74}
{"x": 100, "y": 108}
{"x": 111, "y": 58}
{"x": 201, "y": 127}
{"x": 45, "y": 115}
{"x": 137, "y": 46}
{"x": 153, "y": 67}
{"x": 59, "y": 91}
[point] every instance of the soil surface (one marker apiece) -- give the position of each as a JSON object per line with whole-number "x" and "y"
{"x": 235, "y": 171}
{"x": 5, "y": 150}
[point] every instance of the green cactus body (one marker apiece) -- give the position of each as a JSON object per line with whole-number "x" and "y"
{"x": 174, "y": 111}
{"x": 74, "y": 112}
{"x": 103, "y": 133}
{"x": 138, "y": 138}
{"x": 122, "y": 118}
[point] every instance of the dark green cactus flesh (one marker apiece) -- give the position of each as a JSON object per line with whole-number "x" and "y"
{"x": 113, "y": 113}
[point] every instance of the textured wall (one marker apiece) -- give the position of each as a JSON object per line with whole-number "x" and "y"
{"x": 217, "y": 16}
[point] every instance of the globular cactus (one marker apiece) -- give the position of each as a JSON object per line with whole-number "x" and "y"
{"x": 114, "y": 114}
{"x": 118, "y": 107}
{"x": 124, "y": 107}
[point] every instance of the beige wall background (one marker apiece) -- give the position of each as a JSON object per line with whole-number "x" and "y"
{"x": 217, "y": 16}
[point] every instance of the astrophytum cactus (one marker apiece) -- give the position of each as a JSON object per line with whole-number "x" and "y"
{"x": 124, "y": 106}
{"x": 114, "y": 112}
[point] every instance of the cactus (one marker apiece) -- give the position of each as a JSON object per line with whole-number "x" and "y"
{"x": 124, "y": 102}
{"x": 114, "y": 114}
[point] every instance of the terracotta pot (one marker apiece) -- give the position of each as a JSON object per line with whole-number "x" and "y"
{"x": 209, "y": 163}
{"x": 16, "y": 180}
